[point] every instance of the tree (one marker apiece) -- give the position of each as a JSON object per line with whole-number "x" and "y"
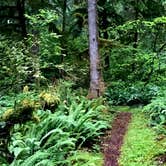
{"x": 95, "y": 73}
{"x": 21, "y": 13}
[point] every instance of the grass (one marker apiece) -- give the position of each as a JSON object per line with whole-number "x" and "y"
{"x": 85, "y": 158}
{"x": 140, "y": 144}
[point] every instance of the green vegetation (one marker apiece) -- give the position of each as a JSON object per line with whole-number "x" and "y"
{"x": 140, "y": 144}
{"x": 85, "y": 158}
{"x": 50, "y": 136}
{"x": 47, "y": 116}
{"x": 157, "y": 111}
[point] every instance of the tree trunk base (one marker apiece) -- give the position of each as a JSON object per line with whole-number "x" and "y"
{"x": 96, "y": 92}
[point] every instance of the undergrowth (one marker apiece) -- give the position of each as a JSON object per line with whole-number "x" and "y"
{"x": 54, "y": 133}
{"x": 156, "y": 110}
{"x": 85, "y": 158}
{"x": 121, "y": 93}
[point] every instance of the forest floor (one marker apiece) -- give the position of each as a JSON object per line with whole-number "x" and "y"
{"x": 131, "y": 142}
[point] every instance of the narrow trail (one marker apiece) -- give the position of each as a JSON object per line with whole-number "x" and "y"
{"x": 132, "y": 142}
{"x": 114, "y": 139}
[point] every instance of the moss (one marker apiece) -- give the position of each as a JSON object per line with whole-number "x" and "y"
{"x": 140, "y": 145}
{"x": 22, "y": 112}
{"x": 6, "y": 115}
{"x": 49, "y": 100}
{"x": 85, "y": 158}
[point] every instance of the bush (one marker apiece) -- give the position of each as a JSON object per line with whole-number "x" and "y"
{"x": 16, "y": 65}
{"x": 157, "y": 109}
{"x": 120, "y": 93}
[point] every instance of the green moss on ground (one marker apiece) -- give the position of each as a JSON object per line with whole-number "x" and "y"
{"x": 140, "y": 143}
{"x": 85, "y": 158}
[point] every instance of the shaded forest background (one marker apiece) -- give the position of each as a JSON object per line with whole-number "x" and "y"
{"x": 44, "y": 59}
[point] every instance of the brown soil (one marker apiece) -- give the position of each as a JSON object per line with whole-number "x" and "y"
{"x": 113, "y": 140}
{"x": 161, "y": 159}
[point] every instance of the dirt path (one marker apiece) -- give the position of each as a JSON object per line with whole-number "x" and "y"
{"x": 114, "y": 139}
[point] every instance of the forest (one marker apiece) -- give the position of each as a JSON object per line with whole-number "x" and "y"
{"x": 83, "y": 83}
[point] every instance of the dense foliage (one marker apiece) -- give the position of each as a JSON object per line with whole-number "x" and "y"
{"x": 47, "y": 128}
{"x": 45, "y": 118}
{"x": 157, "y": 111}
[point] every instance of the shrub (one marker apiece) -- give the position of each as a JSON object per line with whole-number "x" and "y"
{"x": 16, "y": 65}
{"x": 75, "y": 123}
{"x": 120, "y": 93}
{"x": 157, "y": 109}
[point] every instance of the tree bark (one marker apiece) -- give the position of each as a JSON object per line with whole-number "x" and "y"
{"x": 22, "y": 19}
{"x": 63, "y": 40}
{"x": 136, "y": 18}
{"x": 64, "y": 16}
{"x": 95, "y": 73}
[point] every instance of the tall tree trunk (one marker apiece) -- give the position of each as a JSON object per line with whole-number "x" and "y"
{"x": 64, "y": 16}
{"x": 21, "y": 11}
{"x": 95, "y": 73}
{"x": 136, "y": 18}
{"x": 63, "y": 39}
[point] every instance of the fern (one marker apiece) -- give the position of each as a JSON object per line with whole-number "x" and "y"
{"x": 46, "y": 162}
{"x": 54, "y": 131}
{"x": 36, "y": 158}
{"x": 57, "y": 134}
